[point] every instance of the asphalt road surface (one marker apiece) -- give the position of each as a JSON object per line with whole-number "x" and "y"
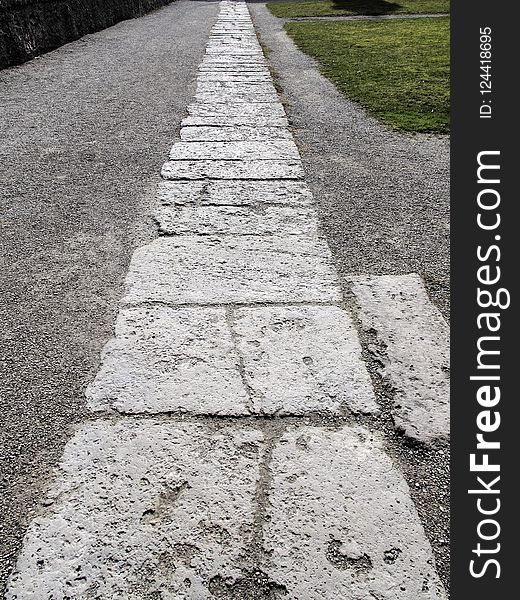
{"x": 83, "y": 131}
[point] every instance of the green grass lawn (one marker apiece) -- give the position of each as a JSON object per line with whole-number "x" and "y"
{"x": 327, "y": 8}
{"x": 398, "y": 70}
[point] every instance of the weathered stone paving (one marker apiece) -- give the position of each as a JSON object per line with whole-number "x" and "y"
{"x": 236, "y": 220}
{"x": 342, "y": 524}
{"x": 412, "y": 346}
{"x": 143, "y": 510}
{"x": 165, "y": 359}
{"x": 213, "y": 270}
{"x": 220, "y": 462}
{"x": 302, "y": 359}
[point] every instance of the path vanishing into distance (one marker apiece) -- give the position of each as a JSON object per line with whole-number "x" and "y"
{"x": 261, "y": 424}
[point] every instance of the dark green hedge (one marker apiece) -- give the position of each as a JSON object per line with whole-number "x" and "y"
{"x": 29, "y": 28}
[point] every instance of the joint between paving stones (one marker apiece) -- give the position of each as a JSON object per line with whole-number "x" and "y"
{"x": 168, "y": 234}
{"x": 217, "y": 179}
{"x": 233, "y": 305}
{"x": 272, "y": 436}
{"x": 241, "y": 367}
{"x": 324, "y": 419}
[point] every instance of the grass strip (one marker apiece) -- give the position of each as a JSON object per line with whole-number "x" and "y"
{"x": 398, "y": 70}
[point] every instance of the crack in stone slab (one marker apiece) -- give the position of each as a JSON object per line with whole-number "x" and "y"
{"x": 241, "y": 367}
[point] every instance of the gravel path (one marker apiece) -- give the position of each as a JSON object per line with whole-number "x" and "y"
{"x": 246, "y": 434}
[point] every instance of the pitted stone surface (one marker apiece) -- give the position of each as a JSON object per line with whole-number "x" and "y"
{"x": 337, "y": 510}
{"x": 303, "y": 359}
{"x": 236, "y": 109}
{"x": 166, "y": 359}
{"x": 237, "y": 113}
{"x": 246, "y": 97}
{"x": 412, "y": 347}
{"x": 243, "y": 269}
{"x": 273, "y": 150}
{"x": 245, "y": 43}
{"x": 232, "y": 77}
{"x": 234, "y": 193}
{"x": 224, "y": 53}
{"x": 142, "y": 510}
{"x": 235, "y": 87}
{"x": 250, "y": 120}
{"x": 233, "y": 133}
{"x": 224, "y": 70}
{"x": 233, "y": 64}
{"x": 247, "y": 38}
{"x": 232, "y": 169}
{"x": 237, "y": 62}
{"x": 236, "y": 220}
{"x": 244, "y": 47}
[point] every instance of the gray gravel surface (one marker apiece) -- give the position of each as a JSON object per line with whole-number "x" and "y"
{"x": 83, "y": 131}
{"x": 383, "y": 202}
{"x": 383, "y": 197}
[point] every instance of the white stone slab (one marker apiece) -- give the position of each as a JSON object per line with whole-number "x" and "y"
{"x": 235, "y": 38}
{"x": 234, "y": 193}
{"x": 234, "y": 68}
{"x": 233, "y": 44}
{"x": 222, "y": 51}
{"x": 236, "y": 109}
{"x": 235, "y": 96}
{"x": 232, "y": 28}
{"x": 303, "y": 359}
{"x": 236, "y": 220}
{"x": 211, "y": 270}
{"x": 241, "y": 40}
{"x": 169, "y": 359}
{"x": 243, "y": 150}
{"x": 238, "y": 87}
{"x": 234, "y": 133}
{"x": 243, "y": 47}
{"x": 231, "y": 76}
{"x": 234, "y": 60}
{"x": 223, "y": 120}
{"x": 142, "y": 510}
{"x": 232, "y": 169}
{"x": 246, "y": 71}
{"x": 341, "y": 523}
{"x": 412, "y": 349}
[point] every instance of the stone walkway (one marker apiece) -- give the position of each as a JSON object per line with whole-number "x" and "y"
{"x": 224, "y": 458}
